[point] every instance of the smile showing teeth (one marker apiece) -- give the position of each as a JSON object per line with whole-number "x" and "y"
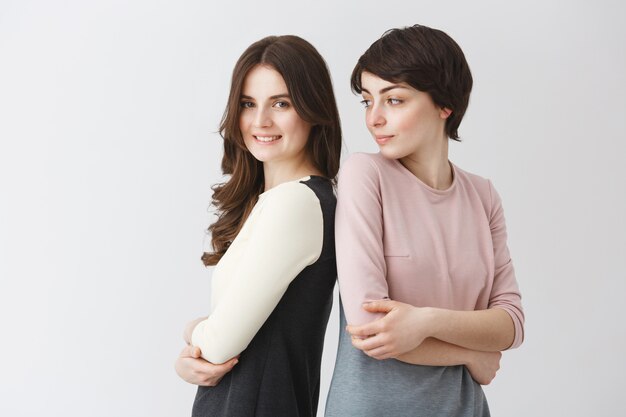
{"x": 267, "y": 138}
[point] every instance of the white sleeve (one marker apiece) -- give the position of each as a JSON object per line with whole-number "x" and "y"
{"x": 287, "y": 237}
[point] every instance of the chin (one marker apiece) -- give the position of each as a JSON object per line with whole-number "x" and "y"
{"x": 263, "y": 155}
{"x": 390, "y": 152}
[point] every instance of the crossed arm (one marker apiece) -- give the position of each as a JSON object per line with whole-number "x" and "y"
{"x": 423, "y": 336}
{"x": 435, "y": 337}
{"x": 285, "y": 237}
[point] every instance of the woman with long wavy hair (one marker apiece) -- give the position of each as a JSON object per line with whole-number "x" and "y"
{"x": 273, "y": 241}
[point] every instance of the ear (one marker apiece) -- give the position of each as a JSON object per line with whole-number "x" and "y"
{"x": 445, "y": 112}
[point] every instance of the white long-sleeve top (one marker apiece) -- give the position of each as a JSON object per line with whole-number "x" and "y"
{"x": 282, "y": 235}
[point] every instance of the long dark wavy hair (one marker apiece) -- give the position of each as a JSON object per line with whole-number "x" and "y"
{"x": 310, "y": 88}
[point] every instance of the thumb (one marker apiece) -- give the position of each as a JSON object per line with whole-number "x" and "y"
{"x": 379, "y": 306}
{"x": 228, "y": 365}
{"x": 195, "y": 352}
{"x": 190, "y": 352}
{"x": 186, "y": 352}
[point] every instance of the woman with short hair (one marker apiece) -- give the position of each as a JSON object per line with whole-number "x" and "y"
{"x": 428, "y": 291}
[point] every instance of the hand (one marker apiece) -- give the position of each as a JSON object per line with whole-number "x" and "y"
{"x": 195, "y": 370}
{"x": 189, "y": 329}
{"x": 403, "y": 328}
{"x": 483, "y": 366}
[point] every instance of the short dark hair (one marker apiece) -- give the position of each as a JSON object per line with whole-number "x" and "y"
{"x": 426, "y": 59}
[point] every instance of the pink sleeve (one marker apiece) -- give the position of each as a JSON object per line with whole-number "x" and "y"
{"x": 361, "y": 265}
{"x": 505, "y": 292}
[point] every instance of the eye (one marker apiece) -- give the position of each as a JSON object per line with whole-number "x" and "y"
{"x": 281, "y": 104}
{"x": 394, "y": 101}
{"x": 246, "y": 104}
{"x": 366, "y": 103}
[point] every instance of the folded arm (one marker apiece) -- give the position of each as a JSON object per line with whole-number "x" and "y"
{"x": 404, "y": 327}
{"x": 433, "y": 352}
{"x": 286, "y": 237}
{"x": 361, "y": 264}
{"x": 362, "y": 271}
{"x": 501, "y": 325}
{"x": 195, "y": 370}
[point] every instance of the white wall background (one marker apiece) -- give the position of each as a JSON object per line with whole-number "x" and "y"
{"x": 107, "y": 152}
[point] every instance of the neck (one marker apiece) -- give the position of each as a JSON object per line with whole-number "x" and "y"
{"x": 276, "y": 173}
{"x": 430, "y": 164}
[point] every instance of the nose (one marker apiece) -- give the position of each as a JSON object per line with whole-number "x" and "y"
{"x": 375, "y": 117}
{"x": 262, "y": 117}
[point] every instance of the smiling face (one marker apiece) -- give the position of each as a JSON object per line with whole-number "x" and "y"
{"x": 271, "y": 128}
{"x": 401, "y": 119}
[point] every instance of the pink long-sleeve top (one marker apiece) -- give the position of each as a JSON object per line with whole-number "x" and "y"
{"x": 398, "y": 238}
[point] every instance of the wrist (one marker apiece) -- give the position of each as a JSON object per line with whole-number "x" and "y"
{"x": 468, "y": 356}
{"x": 433, "y": 321}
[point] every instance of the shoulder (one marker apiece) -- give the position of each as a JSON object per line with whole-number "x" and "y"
{"x": 481, "y": 185}
{"x": 362, "y": 166}
{"x": 321, "y": 186}
{"x": 362, "y": 160}
{"x": 290, "y": 217}
{"x": 290, "y": 202}
{"x": 289, "y": 194}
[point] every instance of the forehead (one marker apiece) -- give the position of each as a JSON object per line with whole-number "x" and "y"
{"x": 262, "y": 82}
{"x": 373, "y": 83}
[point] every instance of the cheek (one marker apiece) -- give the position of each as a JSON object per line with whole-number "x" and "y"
{"x": 304, "y": 129}
{"x": 368, "y": 125}
{"x": 244, "y": 122}
{"x": 409, "y": 121}
{"x": 244, "y": 128}
{"x": 297, "y": 128}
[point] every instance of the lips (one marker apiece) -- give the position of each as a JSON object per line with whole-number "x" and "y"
{"x": 382, "y": 139}
{"x": 267, "y": 138}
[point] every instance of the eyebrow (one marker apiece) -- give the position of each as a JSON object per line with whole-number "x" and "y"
{"x": 384, "y": 90}
{"x": 277, "y": 96}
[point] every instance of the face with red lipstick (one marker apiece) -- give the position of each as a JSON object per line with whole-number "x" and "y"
{"x": 271, "y": 128}
{"x": 402, "y": 120}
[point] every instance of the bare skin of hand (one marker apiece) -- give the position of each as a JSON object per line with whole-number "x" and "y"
{"x": 189, "y": 329}
{"x": 403, "y": 328}
{"x": 195, "y": 370}
{"x": 483, "y": 366}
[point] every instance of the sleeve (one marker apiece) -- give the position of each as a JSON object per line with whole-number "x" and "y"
{"x": 286, "y": 237}
{"x": 505, "y": 292}
{"x": 361, "y": 268}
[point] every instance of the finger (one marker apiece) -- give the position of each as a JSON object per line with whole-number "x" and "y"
{"x": 218, "y": 369}
{"x": 186, "y": 352}
{"x": 231, "y": 362}
{"x": 356, "y": 342}
{"x": 365, "y": 330}
{"x": 211, "y": 372}
{"x": 387, "y": 355}
{"x": 195, "y": 352}
{"x": 379, "y": 306}
{"x": 367, "y": 344}
{"x": 371, "y": 342}
{"x": 487, "y": 381}
{"x": 378, "y": 353}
